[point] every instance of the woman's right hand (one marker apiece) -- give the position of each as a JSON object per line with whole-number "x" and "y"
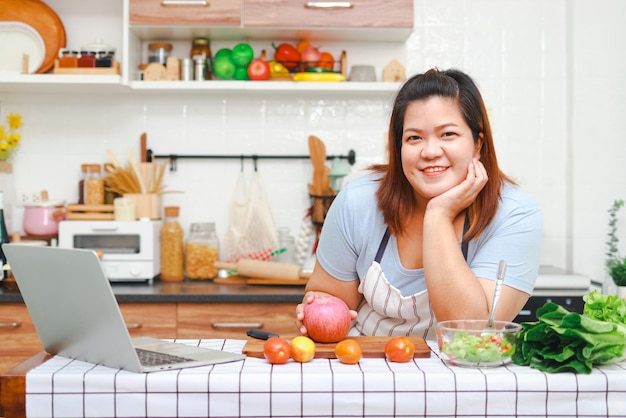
{"x": 308, "y": 298}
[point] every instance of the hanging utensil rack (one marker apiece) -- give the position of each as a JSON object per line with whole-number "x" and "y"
{"x": 173, "y": 158}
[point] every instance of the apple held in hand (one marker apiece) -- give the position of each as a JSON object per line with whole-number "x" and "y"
{"x": 258, "y": 69}
{"x": 327, "y": 319}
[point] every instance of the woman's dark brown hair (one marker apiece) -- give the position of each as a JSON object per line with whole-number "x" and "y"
{"x": 395, "y": 194}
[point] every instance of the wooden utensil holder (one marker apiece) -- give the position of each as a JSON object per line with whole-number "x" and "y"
{"x": 319, "y": 207}
{"x": 147, "y": 205}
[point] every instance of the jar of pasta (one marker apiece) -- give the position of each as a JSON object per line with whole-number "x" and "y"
{"x": 201, "y": 251}
{"x": 172, "y": 247}
{"x": 94, "y": 185}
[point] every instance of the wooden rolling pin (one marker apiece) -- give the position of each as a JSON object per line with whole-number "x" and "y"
{"x": 264, "y": 269}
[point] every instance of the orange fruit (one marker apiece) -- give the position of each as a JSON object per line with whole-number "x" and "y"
{"x": 399, "y": 349}
{"x": 326, "y": 60}
{"x": 348, "y": 351}
{"x": 302, "y": 349}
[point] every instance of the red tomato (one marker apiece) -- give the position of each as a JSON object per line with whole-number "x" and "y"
{"x": 258, "y": 69}
{"x": 326, "y": 60}
{"x": 348, "y": 351}
{"x": 399, "y": 349}
{"x": 276, "y": 350}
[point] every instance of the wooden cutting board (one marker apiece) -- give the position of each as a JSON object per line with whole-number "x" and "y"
{"x": 373, "y": 347}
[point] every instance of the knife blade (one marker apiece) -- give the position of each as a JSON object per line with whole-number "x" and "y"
{"x": 260, "y": 334}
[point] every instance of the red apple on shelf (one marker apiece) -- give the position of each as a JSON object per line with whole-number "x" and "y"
{"x": 258, "y": 69}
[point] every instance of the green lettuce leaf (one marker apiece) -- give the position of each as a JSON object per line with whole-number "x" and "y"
{"x": 563, "y": 341}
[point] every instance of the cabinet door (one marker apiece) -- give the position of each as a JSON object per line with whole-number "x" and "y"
{"x": 325, "y": 14}
{"x": 231, "y": 320}
{"x": 150, "y": 319}
{"x": 185, "y": 12}
{"x": 18, "y": 337}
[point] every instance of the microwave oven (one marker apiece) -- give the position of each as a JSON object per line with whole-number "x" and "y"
{"x": 131, "y": 251}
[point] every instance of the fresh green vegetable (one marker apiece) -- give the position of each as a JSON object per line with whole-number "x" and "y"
{"x": 603, "y": 307}
{"x": 477, "y": 349}
{"x": 562, "y": 341}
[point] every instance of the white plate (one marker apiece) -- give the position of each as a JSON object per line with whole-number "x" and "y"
{"x": 16, "y": 39}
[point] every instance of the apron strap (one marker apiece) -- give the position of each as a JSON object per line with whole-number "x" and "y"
{"x": 383, "y": 242}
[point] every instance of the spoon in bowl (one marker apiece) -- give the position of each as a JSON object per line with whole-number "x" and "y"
{"x": 490, "y": 329}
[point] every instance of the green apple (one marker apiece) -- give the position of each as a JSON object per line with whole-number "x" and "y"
{"x": 224, "y": 68}
{"x": 241, "y": 73}
{"x": 242, "y": 55}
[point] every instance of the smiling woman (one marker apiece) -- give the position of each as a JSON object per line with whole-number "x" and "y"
{"x": 419, "y": 239}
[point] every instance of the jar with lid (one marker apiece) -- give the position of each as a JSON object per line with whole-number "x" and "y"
{"x": 172, "y": 247}
{"x": 109, "y": 195}
{"x": 201, "y": 251}
{"x": 200, "y": 48}
{"x": 94, "y": 185}
{"x": 68, "y": 58}
{"x": 98, "y": 53}
{"x": 158, "y": 52}
{"x": 84, "y": 168}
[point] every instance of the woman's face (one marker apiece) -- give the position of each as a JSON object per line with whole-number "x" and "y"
{"x": 437, "y": 146}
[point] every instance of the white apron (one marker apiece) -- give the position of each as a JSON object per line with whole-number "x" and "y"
{"x": 384, "y": 311}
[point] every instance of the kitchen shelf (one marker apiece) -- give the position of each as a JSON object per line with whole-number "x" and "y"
{"x": 108, "y": 84}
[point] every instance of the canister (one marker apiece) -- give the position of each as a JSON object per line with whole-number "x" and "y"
{"x": 201, "y": 251}
{"x": 158, "y": 52}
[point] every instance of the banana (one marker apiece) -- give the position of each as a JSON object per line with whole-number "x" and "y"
{"x": 319, "y": 77}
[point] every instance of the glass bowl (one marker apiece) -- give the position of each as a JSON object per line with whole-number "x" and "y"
{"x": 464, "y": 342}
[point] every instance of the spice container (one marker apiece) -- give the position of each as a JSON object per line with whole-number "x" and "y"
{"x": 158, "y": 52}
{"x": 200, "y": 68}
{"x": 102, "y": 54}
{"x": 172, "y": 247}
{"x": 201, "y": 251}
{"x": 94, "y": 185}
{"x": 84, "y": 168}
{"x": 87, "y": 59}
{"x": 68, "y": 58}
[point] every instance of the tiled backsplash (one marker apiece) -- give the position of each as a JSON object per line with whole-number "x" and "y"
{"x": 529, "y": 57}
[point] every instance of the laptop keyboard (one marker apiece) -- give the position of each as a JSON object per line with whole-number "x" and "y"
{"x": 153, "y": 358}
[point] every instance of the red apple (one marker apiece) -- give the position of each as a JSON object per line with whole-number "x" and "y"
{"x": 311, "y": 56}
{"x": 258, "y": 69}
{"x": 327, "y": 319}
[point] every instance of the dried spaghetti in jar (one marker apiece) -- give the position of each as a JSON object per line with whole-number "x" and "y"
{"x": 172, "y": 247}
{"x": 201, "y": 251}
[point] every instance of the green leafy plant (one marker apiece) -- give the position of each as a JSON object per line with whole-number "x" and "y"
{"x": 615, "y": 264}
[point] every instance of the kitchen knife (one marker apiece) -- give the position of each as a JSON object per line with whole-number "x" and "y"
{"x": 260, "y": 334}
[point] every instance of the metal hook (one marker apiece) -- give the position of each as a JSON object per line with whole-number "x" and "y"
{"x": 242, "y": 163}
{"x": 255, "y": 158}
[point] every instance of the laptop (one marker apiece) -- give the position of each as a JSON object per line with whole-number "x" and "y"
{"x": 76, "y": 315}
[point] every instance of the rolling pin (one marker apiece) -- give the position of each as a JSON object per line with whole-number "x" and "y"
{"x": 264, "y": 269}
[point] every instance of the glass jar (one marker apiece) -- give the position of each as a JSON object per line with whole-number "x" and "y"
{"x": 172, "y": 247}
{"x": 200, "y": 48}
{"x": 94, "y": 185}
{"x": 286, "y": 246}
{"x": 84, "y": 168}
{"x": 158, "y": 52}
{"x": 68, "y": 58}
{"x": 201, "y": 251}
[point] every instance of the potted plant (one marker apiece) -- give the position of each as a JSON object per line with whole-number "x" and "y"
{"x": 615, "y": 264}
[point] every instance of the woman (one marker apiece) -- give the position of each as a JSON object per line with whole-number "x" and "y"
{"x": 419, "y": 239}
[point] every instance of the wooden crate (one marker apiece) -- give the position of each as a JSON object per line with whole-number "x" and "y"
{"x": 77, "y": 212}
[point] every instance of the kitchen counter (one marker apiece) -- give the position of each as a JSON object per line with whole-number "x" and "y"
{"x": 322, "y": 387}
{"x": 192, "y": 292}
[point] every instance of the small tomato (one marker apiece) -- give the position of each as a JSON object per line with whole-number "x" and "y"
{"x": 276, "y": 350}
{"x": 302, "y": 349}
{"x": 348, "y": 351}
{"x": 399, "y": 349}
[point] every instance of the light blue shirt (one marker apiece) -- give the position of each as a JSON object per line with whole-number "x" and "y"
{"x": 354, "y": 228}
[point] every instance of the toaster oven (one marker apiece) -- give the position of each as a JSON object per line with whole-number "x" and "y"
{"x": 130, "y": 250}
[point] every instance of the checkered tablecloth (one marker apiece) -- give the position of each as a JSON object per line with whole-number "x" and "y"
{"x": 322, "y": 388}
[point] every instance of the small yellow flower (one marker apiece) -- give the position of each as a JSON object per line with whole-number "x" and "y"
{"x": 9, "y": 138}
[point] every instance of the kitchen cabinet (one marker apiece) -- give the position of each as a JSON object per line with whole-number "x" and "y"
{"x": 231, "y": 320}
{"x": 380, "y": 27}
{"x": 185, "y": 12}
{"x": 18, "y": 337}
{"x": 328, "y": 14}
{"x": 149, "y": 319}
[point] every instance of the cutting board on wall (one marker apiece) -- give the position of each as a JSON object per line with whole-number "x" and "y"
{"x": 43, "y": 19}
{"x": 373, "y": 347}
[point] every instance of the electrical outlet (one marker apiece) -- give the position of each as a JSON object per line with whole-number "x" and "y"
{"x": 23, "y": 198}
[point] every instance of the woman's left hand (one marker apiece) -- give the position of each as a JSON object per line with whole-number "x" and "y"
{"x": 464, "y": 194}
